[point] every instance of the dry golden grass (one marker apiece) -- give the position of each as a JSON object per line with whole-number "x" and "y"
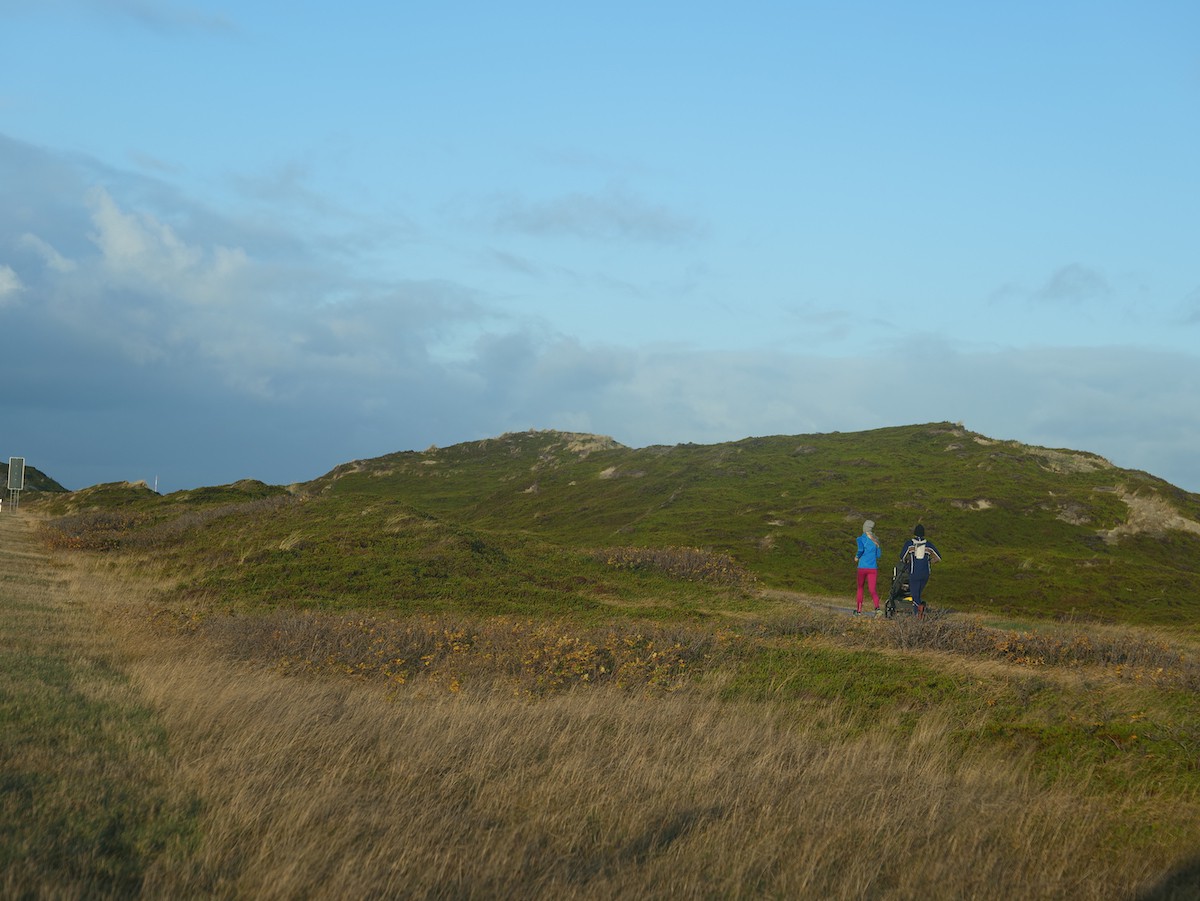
{"x": 330, "y": 791}
{"x": 323, "y": 791}
{"x": 314, "y": 785}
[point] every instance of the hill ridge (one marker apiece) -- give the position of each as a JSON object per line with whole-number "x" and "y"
{"x": 1058, "y": 526}
{"x": 1046, "y": 531}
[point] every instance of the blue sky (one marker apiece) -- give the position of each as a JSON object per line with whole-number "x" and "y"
{"x": 259, "y": 239}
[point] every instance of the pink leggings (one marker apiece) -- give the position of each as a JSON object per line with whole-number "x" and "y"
{"x": 869, "y": 576}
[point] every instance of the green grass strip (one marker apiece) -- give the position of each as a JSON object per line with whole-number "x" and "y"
{"x": 84, "y": 809}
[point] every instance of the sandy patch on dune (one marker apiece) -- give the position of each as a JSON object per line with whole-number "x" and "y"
{"x": 1149, "y": 514}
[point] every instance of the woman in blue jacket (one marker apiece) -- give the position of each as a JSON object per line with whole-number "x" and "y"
{"x": 867, "y": 558}
{"x": 917, "y": 559}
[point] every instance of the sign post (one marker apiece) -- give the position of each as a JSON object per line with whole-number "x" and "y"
{"x": 16, "y": 481}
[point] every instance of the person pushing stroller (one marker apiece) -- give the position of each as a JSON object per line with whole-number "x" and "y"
{"x": 917, "y": 559}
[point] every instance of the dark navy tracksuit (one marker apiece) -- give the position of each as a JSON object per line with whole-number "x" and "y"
{"x": 917, "y": 556}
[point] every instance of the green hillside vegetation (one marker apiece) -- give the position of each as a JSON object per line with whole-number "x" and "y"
{"x": 1022, "y": 529}
{"x": 546, "y": 521}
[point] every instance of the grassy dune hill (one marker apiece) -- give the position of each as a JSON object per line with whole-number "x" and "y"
{"x": 1023, "y": 529}
{"x": 547, "y": 521}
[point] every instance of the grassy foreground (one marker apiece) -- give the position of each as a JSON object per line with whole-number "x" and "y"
{"x": 86, "y": 809}
{"x": 157, "y": 747}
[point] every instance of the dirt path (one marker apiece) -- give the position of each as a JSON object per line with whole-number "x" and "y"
{"x": 834, "y": 604}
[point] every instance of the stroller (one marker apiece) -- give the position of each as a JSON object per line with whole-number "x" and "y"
{"x": 899, "y": 590}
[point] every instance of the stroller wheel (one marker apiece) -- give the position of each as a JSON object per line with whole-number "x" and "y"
{"x": 889, "y": 609}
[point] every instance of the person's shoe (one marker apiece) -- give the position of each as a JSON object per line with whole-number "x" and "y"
{"x": 858, "y": 613}
{"x": 878, "y": 612}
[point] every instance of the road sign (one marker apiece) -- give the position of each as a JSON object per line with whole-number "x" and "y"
{"x": 16, "y": 473}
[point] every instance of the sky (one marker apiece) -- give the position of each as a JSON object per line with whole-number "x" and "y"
{"x": 259, "y": 239}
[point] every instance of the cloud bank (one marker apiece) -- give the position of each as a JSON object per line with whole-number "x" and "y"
{"x": 148, "y": 337}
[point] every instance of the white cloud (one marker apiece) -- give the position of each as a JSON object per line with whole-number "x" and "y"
{"x": 50, "y": 256}
{"x": 261, "y": 325}
{"x": 138, "y": 245}
{"x": 10, "y": 285}
{"x": 158, "y": 15}
{"x": 1069, "y": 285}
{"x": 612, "y": 215}
{"x": 1191, "y": 308}
{"x": 1075, "y": 284}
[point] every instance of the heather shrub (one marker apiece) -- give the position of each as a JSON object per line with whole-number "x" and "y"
{"x": 94, "y": 531}
{"x": 533, "y": 657}
{"x": 111, "y": 529}
{"x": 688, "y": 563}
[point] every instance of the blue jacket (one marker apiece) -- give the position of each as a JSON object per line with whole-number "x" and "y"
{"x": 868, "y": 553}
{"x": 918, "y": 567}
